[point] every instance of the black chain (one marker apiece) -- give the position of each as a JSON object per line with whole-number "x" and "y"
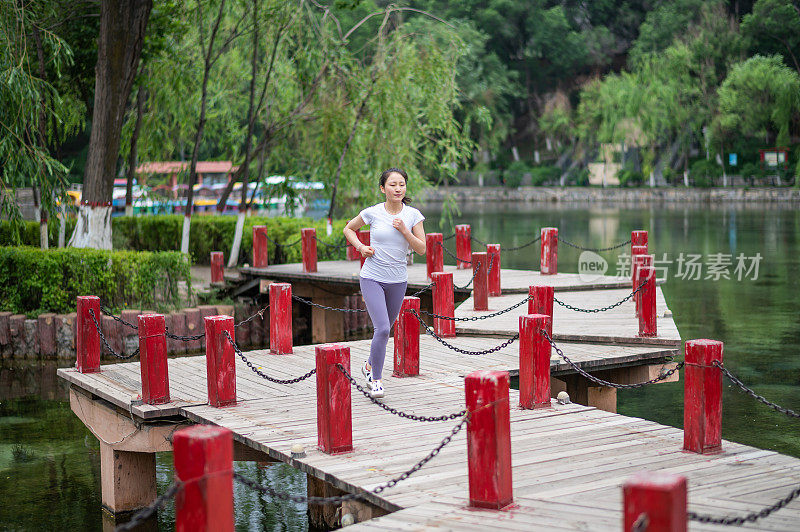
{"x": 418, "y": 292}
{"x": 290, "y": 244}
{"x": 753, "y": 394}
{"x": 476, "y": 318}
{"x": 481, "y": 242}
{"x": 258, "y": 372}
{"x": 517, "y": 248}
{"x": 661, "y": 377}
{"x": 108, "y": 313}
{"x": 145, "y": 513}
{"x": 259, "y": 313}
{"x": 458, "y": 349}
{"x": 105, "y": 342}
{"x": 751, "y": 517}
{"x": 641, "y": 523}
{"x": 454, "y": 255}
{"x": 412, "y": 417}
{"x": 350, "y": 496}
{"x": 576, "y": 246}
{"x": 474, "y": 273}
{"x": 331, "y": 245}
{"x": 307, "y": 302}
{"x": 446, "y": 238}
{"x": 602, "y": 309}
{"x": 184, "y": 338}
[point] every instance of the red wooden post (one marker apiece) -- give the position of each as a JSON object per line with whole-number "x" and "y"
{"x": 153, "y": 359}
{"x": 493, "y": 251}
{"x": 260, "y": 246}
{"x": 334, "y": 413}
{"x": 638, "y": 238}
{"x": 88, "y": 337}
{"x": 636, "y": 251}
{"x": 647, "y": 306}
{"x": 434, "y": 255}
{"x": 308, "y": 237}
{"x": 363, "y": 236}
{"x": 406, "y": 339}
{"x": 220, "y": 361}
{"x": 702, "y": 397}
{"x": 657, "y": 497}
{"x": 639, "y": 260}
{"x": 443, "y": 304}
{"x": 352, "y": 253}
{"x": 541, "y": 302}
{"x": 280, "y": 318}
{"x": 534, "y": 362}
{"x": 548, "y": 260}
{"x": 203, "y": 456}
{"x": 480, "y": 284}
{"x": 463, "y": 245}
{"x": 488, "y": 439}
{"x": 217, "y": 267}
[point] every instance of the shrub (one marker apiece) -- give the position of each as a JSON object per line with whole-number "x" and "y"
{"x": 704, "y": 172}
{"x": 541, "y": 175}
{"x": 34, "y": 281}
{"x": 630, "y": 178}
{"x": 215, "y": 233}
{"x": 27, "y": 233}
{"x": 513, "y": 174}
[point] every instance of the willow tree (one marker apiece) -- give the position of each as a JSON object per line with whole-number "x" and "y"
{"x": 34, "y": 116}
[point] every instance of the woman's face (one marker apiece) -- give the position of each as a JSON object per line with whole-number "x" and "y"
{"x": 395, "y": 187}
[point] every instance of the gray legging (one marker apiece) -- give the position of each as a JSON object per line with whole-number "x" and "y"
{"x": 383, "y": 302}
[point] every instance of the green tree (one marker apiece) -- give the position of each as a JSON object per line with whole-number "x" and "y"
{"x": 774, "y": 27}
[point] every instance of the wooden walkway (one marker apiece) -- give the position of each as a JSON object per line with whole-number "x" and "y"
{"x": 512, "y": 281}
{"x": 569, "y": 461}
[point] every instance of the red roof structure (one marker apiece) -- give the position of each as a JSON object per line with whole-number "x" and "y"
{"x": 173, "y": 168}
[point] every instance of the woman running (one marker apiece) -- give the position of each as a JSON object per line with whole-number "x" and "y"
{"x": 394, "y": 228}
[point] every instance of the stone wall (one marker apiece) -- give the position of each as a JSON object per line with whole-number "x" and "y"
{"x": 677, "y": 196}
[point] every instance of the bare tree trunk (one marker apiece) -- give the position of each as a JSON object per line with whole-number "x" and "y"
{"x": 119, "y": 46}
{"x": 201, "y": 122}
{"x": 133, "y": 156}
{"x": 43, "y": 242}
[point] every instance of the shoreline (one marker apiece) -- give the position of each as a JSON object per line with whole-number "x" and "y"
{"x": 629, "y": 196}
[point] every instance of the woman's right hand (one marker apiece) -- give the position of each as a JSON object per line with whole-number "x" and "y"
{"x": 366, "y": 251}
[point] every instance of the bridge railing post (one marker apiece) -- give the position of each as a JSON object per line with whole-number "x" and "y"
{"x": 702, "y": 397}
{"x": 463, "y": 245}
{"x": 406, "y": 339}
{"x": 655, "y": 501}
{"x": 548, "y": 260}
{"x": 260, "y": 247}
{"x": 647, "y": 302}
{"x": 534, "y": 362}
{"x": 280, "y": 318}
{"x": 364, "y": 237}
{"x": 541, "y": 302}
{"x": 493, "y": 251}
{"x": 203, "y": 456}
{"x": 637, "y": 252}
{"x": 443, "y": 304}
{"x": 488, "y": 439}
{"x": 334, "y": 412}
{"x": 638, "y": 238}
{"x": 434, "y": 255}
{"x": 480, "y": 282}
{"x": 220, "y": 361}
{"x": 308, "y": 238}
{"x": 87, "y": 336}
{"x": 217, "y": 267}
{"x": 153, "y": 359}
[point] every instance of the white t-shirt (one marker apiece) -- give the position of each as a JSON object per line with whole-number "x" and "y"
{"x": 388, "y": 264}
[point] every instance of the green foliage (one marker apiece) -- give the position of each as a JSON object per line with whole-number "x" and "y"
{"x": 27, "y": 233}
{"x": 215, "y": 233}
{"x": 774, "y": 28}
{"x": 704, "y": 172}
{"x": 34, "y": 281}
{"x": 513, "y": 175}
{"x": 544, "y": 175}
{"x": 629, "y": 177}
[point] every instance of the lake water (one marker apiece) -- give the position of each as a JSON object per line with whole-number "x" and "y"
{"x": 49, "y": 462}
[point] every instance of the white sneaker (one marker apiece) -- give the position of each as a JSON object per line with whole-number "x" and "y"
{"x": 377, "y": 390}
{"x": 367, "y": 375}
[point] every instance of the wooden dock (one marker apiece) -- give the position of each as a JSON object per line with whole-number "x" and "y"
{"x": 569, "y": 461}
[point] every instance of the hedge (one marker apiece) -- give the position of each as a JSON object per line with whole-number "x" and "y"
{"x": 28, "y": 234}
{"x": 34, "y": 281}
{"x": 208, "y": 233}
{"x": 215, "y": 233}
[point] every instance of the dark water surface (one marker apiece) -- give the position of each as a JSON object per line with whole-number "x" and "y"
{"x": 50, "y": 463}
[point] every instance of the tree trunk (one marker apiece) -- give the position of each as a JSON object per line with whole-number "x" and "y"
{"x": 44, "y": 244}
{"x": 133, "y": 156}
{"x": 119, "y": 46}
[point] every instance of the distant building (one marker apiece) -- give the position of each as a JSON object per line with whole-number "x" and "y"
{"x": 209, "y": 173}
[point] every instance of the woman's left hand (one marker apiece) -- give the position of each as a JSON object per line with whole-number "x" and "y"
{"x": 398, "y": 224}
